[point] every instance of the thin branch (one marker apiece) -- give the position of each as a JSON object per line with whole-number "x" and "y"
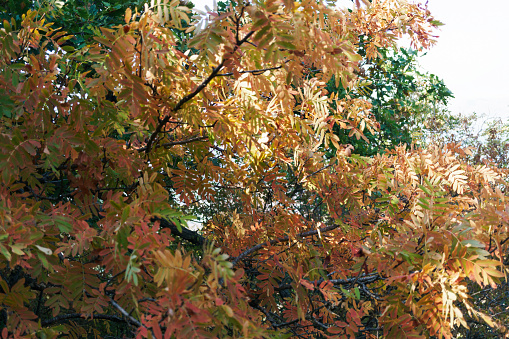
{"x": 174, "y": 143}
{"x": 186, "y": 234}
{"x": 360, "y": 271}
{"x": 367, "y": 279}
{"x": 113, "y": 278}
{"x": 183, "y": 142}
{"x": 282, "y": 239}
{"x": 318, "y": 324}
{"x": 266, "y": 313}
{"x": 317, "y": 171}
{"x": 254, "y": 71}
{"x": 368, "y": 292}
{"x": 291, "y": 322}
{"x": 130, "y": 319}
{"x": 296, "y": 187}
{"x": 194, "y": 93}
{"x": 237, "y": 23}
{"x": 109, "y": 317}
{"x": 39, "y": 302}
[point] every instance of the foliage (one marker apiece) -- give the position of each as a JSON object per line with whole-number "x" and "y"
{"x": 80, "y": 19}
{"x": 488, "y": 139}
{"x": 406, "y": 103}
{"x": 95, "y": 187}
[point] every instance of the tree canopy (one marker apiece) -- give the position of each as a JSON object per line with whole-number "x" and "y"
{"x": 112, "y": 143}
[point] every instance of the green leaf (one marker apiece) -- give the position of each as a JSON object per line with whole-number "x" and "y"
{"x": 425, "y": 189}
{"x": 43, "y": 260}
{"x": 5, "y": 252}
{"x": 286, "y": 44}
{"x": 68, "y": 48}
{"x": 357, "y": 293}
{"x": 16, "y": 249}
{"x": 7, "y": 26}
{"x": 259, "y": 23}
{"x": 122, "y": 235}
{"x": 63, "y": 225}
{"x": 353, "y": 56}
{"x": 473, "y": 243}
{"x": 125, "y": 213}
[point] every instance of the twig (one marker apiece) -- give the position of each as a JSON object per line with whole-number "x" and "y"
{"x": 368, "y": 292}
{"x": 291, "y": 322}
{"x": 39, "y": 302}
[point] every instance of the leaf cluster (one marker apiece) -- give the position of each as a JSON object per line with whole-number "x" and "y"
{"x": 102, "y": 165}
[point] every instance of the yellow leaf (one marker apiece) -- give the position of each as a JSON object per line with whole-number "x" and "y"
{"x": 128, "y": 14}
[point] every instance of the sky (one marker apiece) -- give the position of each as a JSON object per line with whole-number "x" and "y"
{"x": 471, "y": 54}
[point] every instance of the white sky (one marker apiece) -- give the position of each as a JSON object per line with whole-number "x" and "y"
{"x": 471, "y": 54}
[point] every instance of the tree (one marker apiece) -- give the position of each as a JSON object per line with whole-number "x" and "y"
{"x": 96, "y": 187}
{"x": 78, "y": 18}
{"x": 488, "y": 139}
{"x": 407, "y": 103}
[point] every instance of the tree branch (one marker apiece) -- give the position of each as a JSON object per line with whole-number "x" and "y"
{"x": 128, "y": 317}
{"x": 174, "y": 143}
{"x": 186, "y": 234}
{"x": 367, "y": 279}
{"x": 183, "y": 142}
{"x": 108, "y": 317}
{"x": 194, "y": 93}
{"x": 254, "y": 71}
{"x": 282, "y": 239}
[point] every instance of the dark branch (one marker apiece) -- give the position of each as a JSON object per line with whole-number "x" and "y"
{"x": 183, "y": 142}
{"x": 108, "y": 317}
{"x": 367, "y": 279}
{"x": 266, "y": 313}
{"x": 174, "y": 143}
{"x": 317, "y": 171}
{"x": 186, "y": 234}
{"x": 254, "y": 71}
{"x": 128, "y": 317}
{"x": 282, "y": 239}
{"x": 194, "y": 93}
